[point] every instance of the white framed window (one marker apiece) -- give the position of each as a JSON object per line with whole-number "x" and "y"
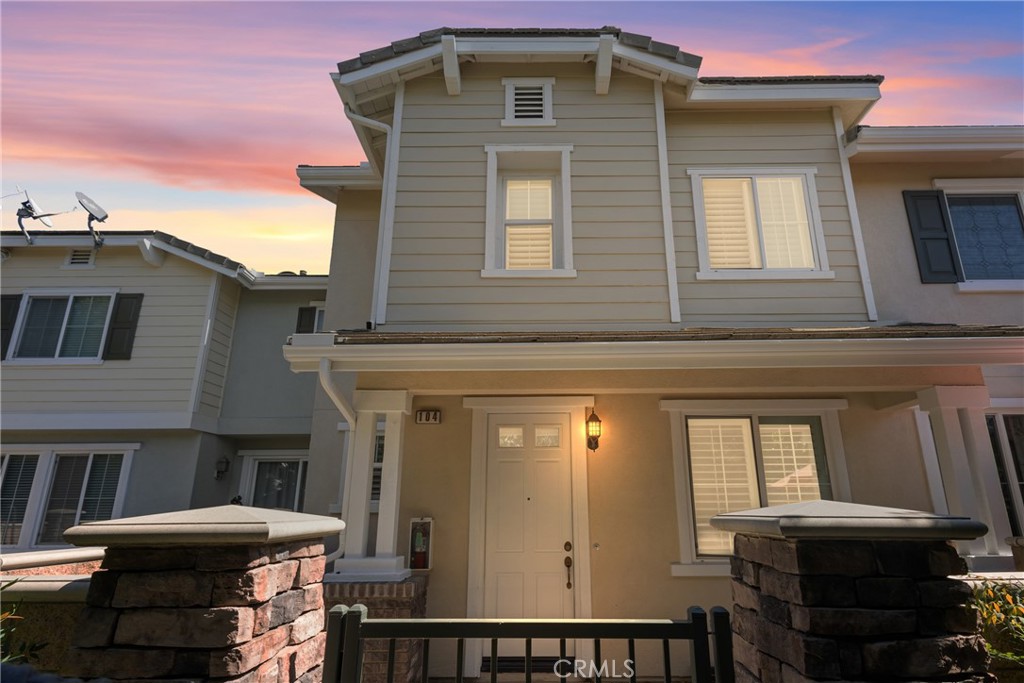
{"x": 378, "y": 471}
{"x": 62, "y": 325}
{"x": 46, "y": 489}
{"x": 738, "y": 455}
{"x": 758, "y": 223}
{"x": 529, "y": 212}
{"x": 274, "y": 479}
{"x": 318, "y": 317}
{"x": 987, "y": 221}
{"x": 1006, "y": 431}
{"x": 528, "y": 102}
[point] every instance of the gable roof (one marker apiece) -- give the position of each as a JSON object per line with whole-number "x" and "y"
{"x": 147, "y": 240}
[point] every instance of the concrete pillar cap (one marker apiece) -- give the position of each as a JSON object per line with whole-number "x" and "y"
{"x": 829, "y": 519}
{"x": 223, "y": 525}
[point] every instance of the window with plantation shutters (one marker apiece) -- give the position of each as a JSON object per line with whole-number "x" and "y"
{"x": 735, "y": 454}
{"x": 45, "y": 492}
{"x": 529, "y": 216}
{"x": 528, "y": 102}
{"x": 758, "y": 224}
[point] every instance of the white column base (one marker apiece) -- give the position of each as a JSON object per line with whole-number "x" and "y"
{"x": 369, "y": 569}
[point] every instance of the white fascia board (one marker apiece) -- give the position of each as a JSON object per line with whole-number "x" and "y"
{"x": 660, "y": 355}
{"x": 74, "y": 241}
{"x": 394, "y": 64}
{"x": 338, "y": 176}
{"x": 652, "y": 61}
{"x": 937, "y": 139}
{"x": 61, "y": 422}
{"x": 198, "y": 260}
{"x": 795, "y": 92}
{"x": 289, "y": 282}
{"x": 539, "y": 45}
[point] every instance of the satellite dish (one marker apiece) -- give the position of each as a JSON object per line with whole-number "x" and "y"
{"x": 38, "y": 214}
{"x": 96, "y": 213}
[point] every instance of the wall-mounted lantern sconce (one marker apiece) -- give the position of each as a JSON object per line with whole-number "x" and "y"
{"x": 593, "y": 430}
{"x": 223, "y": 465}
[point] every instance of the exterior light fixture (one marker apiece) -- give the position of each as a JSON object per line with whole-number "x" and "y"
{"x": 593, "y": 430}
{"x": 223, "y": 465}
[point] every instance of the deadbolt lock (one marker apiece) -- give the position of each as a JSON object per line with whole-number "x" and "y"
{"x": 568, "y": 546}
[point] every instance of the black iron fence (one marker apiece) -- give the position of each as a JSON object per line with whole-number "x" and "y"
{"x": 348, "y": 628}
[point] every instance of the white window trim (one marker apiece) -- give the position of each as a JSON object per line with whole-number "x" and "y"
{"x": 493, "y": 251}
{"x": 984, "y": 186}
{"x": 250, "y": 458}
{"x": 510, "y": 120}
{"x": 826, "y": 409}
{"x": 19, "y": 324}
{"x": 320, "y": 318}
{"x": 821, "y": 270}
{"x": 43, "y": 476}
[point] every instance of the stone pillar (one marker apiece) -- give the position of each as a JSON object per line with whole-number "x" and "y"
{"x": 227, "y": 593}
{"x": 827, "y": 590}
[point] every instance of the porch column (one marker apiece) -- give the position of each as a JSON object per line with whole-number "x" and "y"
{"x": 386, "y": 564}
{"x": 966, "y": 460}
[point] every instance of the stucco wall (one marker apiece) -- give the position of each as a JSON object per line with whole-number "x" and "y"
{"x": 899, "y": 294}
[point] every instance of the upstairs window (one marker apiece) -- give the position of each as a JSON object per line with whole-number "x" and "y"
{"x": 46, "y": 325}
{"x": 969, "y": 232}
{"x": 529, "y": 216}
{"x": 528, "y": 102}
{"x": 758, "y": 223}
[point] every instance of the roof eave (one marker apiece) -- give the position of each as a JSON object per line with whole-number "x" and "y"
{"x": 304, "y": 353}
{"x": 952, "y": 140}
{"x": 327, "y": 181}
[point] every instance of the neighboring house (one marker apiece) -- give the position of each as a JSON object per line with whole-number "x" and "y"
{"x": 145, "y": 376}
{"x": 554, "y": 223}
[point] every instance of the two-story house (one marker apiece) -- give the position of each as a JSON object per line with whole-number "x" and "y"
{"x": 145, "y": 376}
{"x": 593, "y": 299}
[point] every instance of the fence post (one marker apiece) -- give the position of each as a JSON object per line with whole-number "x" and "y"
{"x": 352, "y": 645}
{"x": 700, "y": 652}
{"x": 724, "y": 671}
{"x": 332, "y": 655}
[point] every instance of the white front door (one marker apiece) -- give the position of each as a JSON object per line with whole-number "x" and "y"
{"x": 529, "y": 529}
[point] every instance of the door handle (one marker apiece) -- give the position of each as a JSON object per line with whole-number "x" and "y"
{"x": 568, "y": 572}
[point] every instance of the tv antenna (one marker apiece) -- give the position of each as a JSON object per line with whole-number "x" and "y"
{"x": 96, "y": 213}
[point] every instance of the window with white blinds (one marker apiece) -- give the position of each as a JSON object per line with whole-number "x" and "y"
{"x": 44, "y": 493}
{"x": 757, "y": 222}
{"x": 70, "y": 326}
{"x": 740, "y": 463}
{"x": 529, "y": 216}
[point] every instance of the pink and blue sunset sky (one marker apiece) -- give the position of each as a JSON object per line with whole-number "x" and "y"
{"x": 190, "y": 117}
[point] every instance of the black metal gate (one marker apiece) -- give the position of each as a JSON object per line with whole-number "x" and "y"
{"x": 348, "y": 627}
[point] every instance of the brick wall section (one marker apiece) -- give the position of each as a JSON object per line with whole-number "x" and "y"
{"x": 252, "y": 614}
{"x": 815, "y": 610}
{"x": 402, "y": 600}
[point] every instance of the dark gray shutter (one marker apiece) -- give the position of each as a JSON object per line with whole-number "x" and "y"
{"x": 123, "y": 322}
{"x": 306, "y": 322}
{"x": 9, "y": 305}
{"x": 932, "y": 231}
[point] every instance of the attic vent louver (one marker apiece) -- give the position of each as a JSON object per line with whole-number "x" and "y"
{"x": 528, "y": 102}
{"x": 81, "y": 257}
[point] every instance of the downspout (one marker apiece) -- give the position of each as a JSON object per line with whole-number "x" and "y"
{"x": 345, "y": 408}
{"x": 385, "y": 193}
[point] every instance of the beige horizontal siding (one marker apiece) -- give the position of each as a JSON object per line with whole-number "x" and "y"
{"x": 438, "y": 245}
{"x": 159, "y": 376}
{"x": 763, "y": 138}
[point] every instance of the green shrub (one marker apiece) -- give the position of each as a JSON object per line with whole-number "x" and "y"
{"x": 11, "y": 651}
{"x": 1001, "y": 606}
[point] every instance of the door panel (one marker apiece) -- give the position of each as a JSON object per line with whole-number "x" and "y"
{"x": 529, "y": 520}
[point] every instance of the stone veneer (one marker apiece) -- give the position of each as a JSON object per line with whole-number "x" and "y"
{"x": 222, "y": 594}
{"x": 398, "y": 600}
{"x": 832, "y": 591}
